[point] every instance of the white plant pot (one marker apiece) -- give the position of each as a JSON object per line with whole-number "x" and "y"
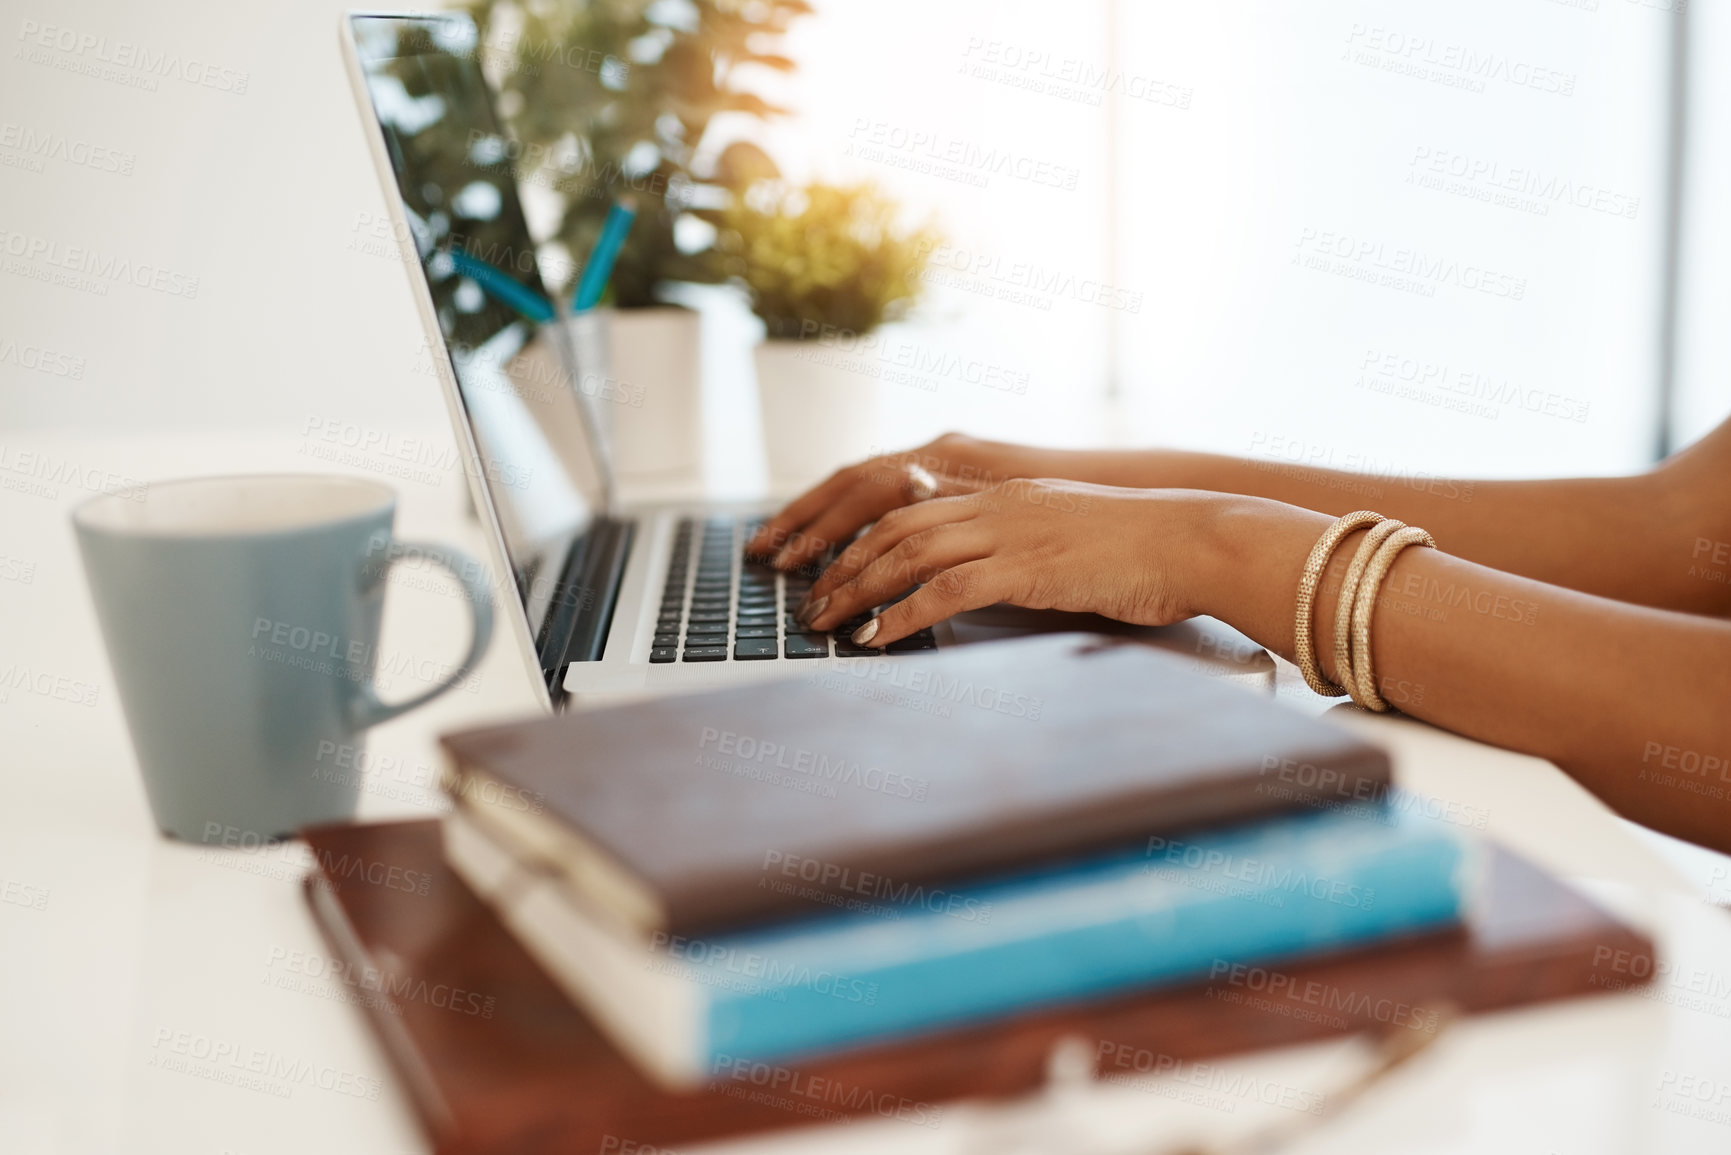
{"x": 642, "y": 370}
{"x": 820, "y": 408}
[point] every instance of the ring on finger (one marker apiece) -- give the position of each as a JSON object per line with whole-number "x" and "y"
{"x": 921, "y": 485}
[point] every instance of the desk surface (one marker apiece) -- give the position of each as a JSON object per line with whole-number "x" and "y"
{"x": 161, "y": 997}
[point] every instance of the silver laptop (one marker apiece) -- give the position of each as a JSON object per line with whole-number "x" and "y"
{"x": 613, "y": 599}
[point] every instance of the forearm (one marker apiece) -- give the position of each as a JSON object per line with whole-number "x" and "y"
{"x": 1641, "y": 539}
{"x": 1628, "y": 700}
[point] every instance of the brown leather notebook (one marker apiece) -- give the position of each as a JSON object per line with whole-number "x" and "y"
{"x": 693, "y": 814}
{"x": 498, "y": 1061}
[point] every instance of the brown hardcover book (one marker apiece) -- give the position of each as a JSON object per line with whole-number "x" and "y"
{"x": 671, "y": 814}
{"x": 497, "y": 1060}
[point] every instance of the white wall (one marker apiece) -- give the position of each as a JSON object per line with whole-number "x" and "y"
{"x": 257, "y": 194}
{"x": 1704, "y": 337}
{"x": 1250, "y": 135}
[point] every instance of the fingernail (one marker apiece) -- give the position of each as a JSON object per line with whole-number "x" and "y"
{"x": 811, "y": 609}
{"x": 781, "y": 558}
{"x": 864, "y": 635}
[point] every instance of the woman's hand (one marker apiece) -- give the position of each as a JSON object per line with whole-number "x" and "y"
{"x": 1044, "y": 544}
{"x": 858, "y": 495}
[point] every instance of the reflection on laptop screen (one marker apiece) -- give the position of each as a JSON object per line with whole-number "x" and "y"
{"x": 497, "y": 319}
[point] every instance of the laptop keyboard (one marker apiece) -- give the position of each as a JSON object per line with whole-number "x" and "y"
{"x": 718, "y": 605}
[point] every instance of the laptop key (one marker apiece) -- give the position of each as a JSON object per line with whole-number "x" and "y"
{"x": 753, "y": 649}
{"x": 755, "y": 632}
{"x": 665, "y": 640}
{"x": 706, "y": 653}
{"x": 807, "y": 646}
{"x": 662, "y": 654}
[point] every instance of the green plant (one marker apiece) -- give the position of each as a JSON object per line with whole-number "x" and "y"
{"x": 611, "y": 97}
{"x": 823, "y": 258}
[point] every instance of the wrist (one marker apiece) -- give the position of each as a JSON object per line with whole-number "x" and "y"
{"x": 1244, "y": 561}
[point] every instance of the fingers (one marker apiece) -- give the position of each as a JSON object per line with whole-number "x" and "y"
{"x": 838, "y": 523}
{"x": 890, "y": 529}
{"x": 880, "y": 486}
{"x": 835, "y": 509}
{"x": 800, "y": 511}
{"x": 966, "y": 587}
{"x": 917, "y": 559}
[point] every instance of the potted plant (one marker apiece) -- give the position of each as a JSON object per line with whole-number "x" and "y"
{"x": 615, "y": 98}
{"x": 823, "y": 267}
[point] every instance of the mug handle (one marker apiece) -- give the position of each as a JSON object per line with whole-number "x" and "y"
{"x": 368, "y": 709}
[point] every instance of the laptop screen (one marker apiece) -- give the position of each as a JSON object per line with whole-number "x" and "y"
{"x": 498, "y": 324}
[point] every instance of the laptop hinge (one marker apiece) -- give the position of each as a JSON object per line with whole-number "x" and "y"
{"x": 583, "y": 602}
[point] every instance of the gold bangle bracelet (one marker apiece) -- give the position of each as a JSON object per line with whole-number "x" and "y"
{"x": 1363, "y": 685}
{"x": 1379, "y": 533}
{"x": 1303, "y": 648}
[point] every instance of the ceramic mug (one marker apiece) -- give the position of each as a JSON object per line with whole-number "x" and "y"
{"x": 241, "y": 617}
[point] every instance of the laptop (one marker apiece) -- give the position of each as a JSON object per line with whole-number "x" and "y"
{"x": 613, "y": 599}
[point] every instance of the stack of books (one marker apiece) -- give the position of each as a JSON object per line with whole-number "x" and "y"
{"x": 791, "y": 870}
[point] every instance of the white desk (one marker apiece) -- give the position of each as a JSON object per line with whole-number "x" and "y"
{"x": 124, "y": 956}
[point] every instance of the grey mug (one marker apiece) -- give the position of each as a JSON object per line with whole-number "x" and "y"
{"x": 241, "y": 618}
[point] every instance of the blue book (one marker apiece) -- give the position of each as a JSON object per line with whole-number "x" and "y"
{"x": 908, "y": 960}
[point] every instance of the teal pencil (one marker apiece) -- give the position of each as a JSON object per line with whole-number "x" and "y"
{"x": 599, "y": 268}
